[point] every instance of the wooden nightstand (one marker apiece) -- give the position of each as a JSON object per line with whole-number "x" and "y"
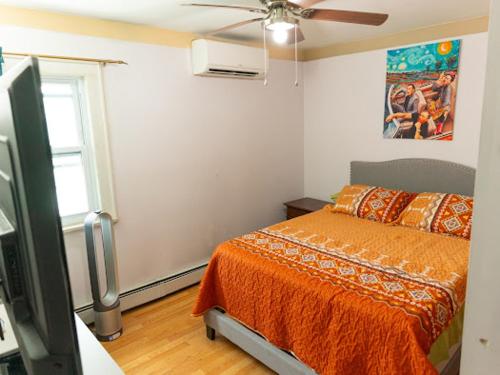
{"x": 303, "y": 206}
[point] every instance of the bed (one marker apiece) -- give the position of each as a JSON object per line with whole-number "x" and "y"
{"x": 343, "y": 295}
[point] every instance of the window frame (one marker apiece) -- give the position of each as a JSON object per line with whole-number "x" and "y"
{"x": 95, "y": 141}
{"x": 84, "y": 149}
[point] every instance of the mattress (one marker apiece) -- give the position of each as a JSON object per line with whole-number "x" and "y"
{"x": 343, "y": 294}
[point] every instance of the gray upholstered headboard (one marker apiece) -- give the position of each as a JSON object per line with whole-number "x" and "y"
{"x": 416, "y": 175}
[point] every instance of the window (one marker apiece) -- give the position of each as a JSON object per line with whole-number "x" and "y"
{"x": 76, "y": 120}
{"x": 74, "y": 108}
{"x": 70, "y": 142}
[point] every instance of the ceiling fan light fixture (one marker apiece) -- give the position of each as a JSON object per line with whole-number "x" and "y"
{"x": 281, "y": 22}
{"x": 280, "y": 36}
{"x": 280, "y": 26}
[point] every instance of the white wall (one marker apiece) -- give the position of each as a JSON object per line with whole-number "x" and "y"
{"x": 195, "y": 160}
{"x": 344, "y": 111}
{"x": 481, "y": 338}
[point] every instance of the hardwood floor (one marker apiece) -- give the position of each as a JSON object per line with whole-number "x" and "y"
{"x": 163, "y": 338}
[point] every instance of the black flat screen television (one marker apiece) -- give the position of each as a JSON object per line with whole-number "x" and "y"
{"x": 35, "y": 285}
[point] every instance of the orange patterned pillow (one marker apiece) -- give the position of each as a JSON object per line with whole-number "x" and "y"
{"x": 440, "y": 213}
{"x": 371, "y": 202}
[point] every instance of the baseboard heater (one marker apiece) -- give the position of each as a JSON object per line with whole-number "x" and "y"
{"x": 150, "y": 292}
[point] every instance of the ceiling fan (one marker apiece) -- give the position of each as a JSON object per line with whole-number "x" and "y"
{"x": 282, "y": 17}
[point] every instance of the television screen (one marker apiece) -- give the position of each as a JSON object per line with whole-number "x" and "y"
{"x": 35, "y": 284}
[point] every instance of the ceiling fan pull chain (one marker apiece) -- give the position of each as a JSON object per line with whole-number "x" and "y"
{"x": 296, "y": 60}
{"x": 265, "y": 55}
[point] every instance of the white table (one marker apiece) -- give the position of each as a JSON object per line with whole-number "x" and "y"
{"x": 95, "y": 359}
{"x": 9, "y": 345}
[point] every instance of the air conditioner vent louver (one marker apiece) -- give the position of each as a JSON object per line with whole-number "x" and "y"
{"x": 216, "y": 59}
{"x": 233, "y": 72}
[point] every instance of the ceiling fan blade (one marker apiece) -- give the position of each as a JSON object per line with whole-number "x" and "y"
{"x": 235, "y": 25}
{"x": 251, "y": 9}
{"x": 305, "y": 3}
{"x": 291, "y": 36}
{"x": 363, "y": 18}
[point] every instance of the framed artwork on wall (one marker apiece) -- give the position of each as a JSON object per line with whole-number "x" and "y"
{"x": 421, "y": 87}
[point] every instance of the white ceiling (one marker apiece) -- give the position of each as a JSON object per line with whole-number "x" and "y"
{"x": 403, "y": 15}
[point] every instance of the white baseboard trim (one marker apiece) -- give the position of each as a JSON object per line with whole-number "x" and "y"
{"x": 150, "y": 292}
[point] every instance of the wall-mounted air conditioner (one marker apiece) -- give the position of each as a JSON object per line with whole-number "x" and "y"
{"x": 216, "y": 59}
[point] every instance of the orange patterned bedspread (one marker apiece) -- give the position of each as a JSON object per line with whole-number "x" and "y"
{"x": 343, "y": 294}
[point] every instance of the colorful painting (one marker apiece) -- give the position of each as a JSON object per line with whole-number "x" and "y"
{"x": 421, "y": 87}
